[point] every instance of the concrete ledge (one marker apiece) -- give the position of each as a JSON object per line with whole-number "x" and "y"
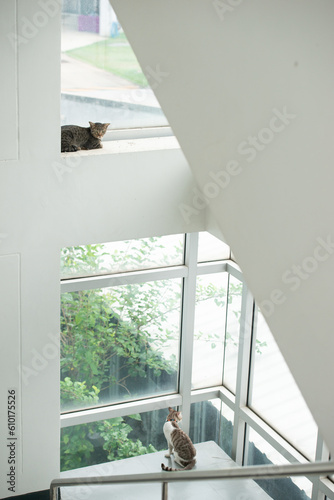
{"x": 128, "y": 146}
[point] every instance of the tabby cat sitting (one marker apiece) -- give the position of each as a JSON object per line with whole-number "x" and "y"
{"x": 184, "y": 450}
{"x": 74, "y": 137}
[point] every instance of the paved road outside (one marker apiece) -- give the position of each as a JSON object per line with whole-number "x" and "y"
{"x": 83, "y": 79}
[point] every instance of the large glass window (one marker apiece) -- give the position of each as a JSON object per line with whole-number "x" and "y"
{"x": 232, "y": 333}
{"x": 112, "y": 439}
{"x": 119, "y": 343}
{"x": 126, "y": 309}
{"x": 211, "y": 248}
{"x": 121, "y": 256}
{"x": 205, "y": 421}
{"x": 209, "y": 334}
{"x": 262, "y": 453}
{"x": 101, "y": 80}
{"x": 216, "y": 334}
{"x": 212, "y": 421}
{"x": 276, "y": 397}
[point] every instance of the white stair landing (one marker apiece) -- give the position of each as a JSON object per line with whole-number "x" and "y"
{"x": 209, "y": 456}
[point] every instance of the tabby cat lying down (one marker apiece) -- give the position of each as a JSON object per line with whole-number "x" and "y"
{"x": 184, "y": 450}
{"x": 74, "y": 137}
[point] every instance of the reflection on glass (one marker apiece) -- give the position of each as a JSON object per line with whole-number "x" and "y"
{"x": 212, "y": 421}
{"x": 210, "y": 314}
{"x": 260, "y": 452}
{"x": 119, "y": 343}
{"x": 211, "y": 248}
{"x": 114, "y": 439}
{"x": 226, "y": 429}
{"x": 232, "y": 333}
{"x": 101, "y": 80}
{"x": 205, "y": 421}
{"x": 120, "y": 256}
{"x": 276, "y": 397}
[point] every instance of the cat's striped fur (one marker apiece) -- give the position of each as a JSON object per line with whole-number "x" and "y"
{"x": 74, "y": 137}
{"x": 177, "y": 440}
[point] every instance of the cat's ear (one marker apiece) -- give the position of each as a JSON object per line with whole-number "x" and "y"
{"x": 91, "y": 124}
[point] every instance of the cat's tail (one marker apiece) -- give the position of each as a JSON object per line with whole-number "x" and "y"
{"x": 171, "y": 469}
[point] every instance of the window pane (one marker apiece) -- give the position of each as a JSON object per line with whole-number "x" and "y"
{"x": 262, "y": 453}
{"x": 119, "y": 343}
{"x": 101, "y": 80}
{"x": 114, "y": 439}
{"x": 210, "y": 315}
{"x": 226, "y": 429}
{"x": 211, "y": 248}
{"x": 205, "y": 421}
{"x": 120, "y": 256}
{"x": 232, "y": 333}
{"x": 276, "y": 396}
{"x": 212, "y": 421}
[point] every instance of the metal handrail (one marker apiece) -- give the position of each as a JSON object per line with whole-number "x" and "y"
{"x": 250, "y": 472}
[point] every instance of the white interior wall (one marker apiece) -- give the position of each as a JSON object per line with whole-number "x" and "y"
{"x": 8, "y": 100}
{"x": 46, "y": 202}
{"x": 248, "y": 89}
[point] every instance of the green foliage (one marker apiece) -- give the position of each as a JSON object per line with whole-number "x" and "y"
{"x": 75, "y": 447}
{"x": 112, "y": 57}
{"x": 110, "y": 336}
{"x": 78, "y": 450}
{"x": 82, "y": 260}
{"x": 124, "y": 326}
{"x": 117, "y": 444}
{"x": 210, "y": 292}
{"x": 77, "y": 391}
{"x": 94, "y": 335}
{"x": 259, "y": 346}
{"x": 113, "y": 337}
{"x": 220, "y": 297}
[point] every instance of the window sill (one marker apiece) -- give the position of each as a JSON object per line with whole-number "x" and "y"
{"x": 129, "y": 146}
